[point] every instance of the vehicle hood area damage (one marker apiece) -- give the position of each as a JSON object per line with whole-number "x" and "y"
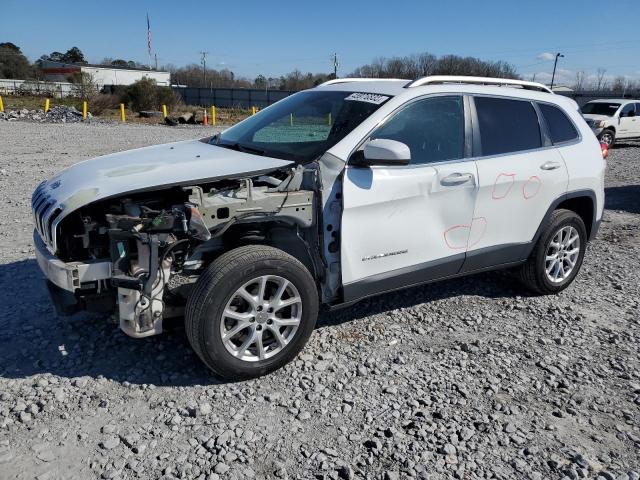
{"x": 155, "y": 217}
{"x": 149, "y": 168}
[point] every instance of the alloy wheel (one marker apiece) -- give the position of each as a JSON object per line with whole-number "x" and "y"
{"x": 261, "y": 318}
{"x": 562, "y": 254}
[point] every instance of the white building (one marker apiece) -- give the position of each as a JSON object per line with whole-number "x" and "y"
{"x": 101, "y": 75}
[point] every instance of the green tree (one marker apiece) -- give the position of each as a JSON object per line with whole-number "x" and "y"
{"x": 73, "y": 55}
{"x": 260, "y": 82}
{"x": 54, "y": 57}
{"x": 118, "y": 62}
{"x": 146, "y": 95}
{"x": 13, "y": 63}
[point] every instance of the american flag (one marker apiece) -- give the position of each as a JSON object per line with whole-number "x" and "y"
{"x": 148, "y": 34}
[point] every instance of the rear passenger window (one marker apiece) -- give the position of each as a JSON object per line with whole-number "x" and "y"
{"x": 507, "y": 125}
{"x": 433, "y": 129}
{"x": 560, "y": 127}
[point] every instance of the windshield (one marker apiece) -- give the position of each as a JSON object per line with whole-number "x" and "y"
{"x": 303, "y": 126}
{"x": 600, "y": 108}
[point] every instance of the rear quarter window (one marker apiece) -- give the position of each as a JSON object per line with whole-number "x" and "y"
{"x": 561, "y": 129}
{"x": 506, "y": 125}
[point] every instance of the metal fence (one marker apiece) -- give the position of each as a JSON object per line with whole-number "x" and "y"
{"x": 252, "y": 97}
{"x": 230, "y": 97}
{"x": 36, "y": 87}
{"x": 238, "y": 97}
{"x": 584, "y": 96}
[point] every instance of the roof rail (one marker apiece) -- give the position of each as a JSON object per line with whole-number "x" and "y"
{"x": 506, "y": 82}
{"x": 353, "y": 79}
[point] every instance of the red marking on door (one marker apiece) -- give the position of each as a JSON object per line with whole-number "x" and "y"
{"x": 465, "y": 230}
{"x": 501, "y": 190}
{"x": 449, "y": 241}
{"x": 478, "y": 224}
{"x": 531, "y": 187}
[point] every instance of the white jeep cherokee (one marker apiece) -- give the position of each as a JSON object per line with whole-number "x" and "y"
{"x": 351, "y": 189}
{"x": 613, "y": 120}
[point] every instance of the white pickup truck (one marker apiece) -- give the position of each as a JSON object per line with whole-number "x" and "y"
{"x": 351, "y": 189}
{"x": 612, "y": 119}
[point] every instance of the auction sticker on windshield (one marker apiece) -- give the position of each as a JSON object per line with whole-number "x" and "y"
{"x": 367, "y": 97}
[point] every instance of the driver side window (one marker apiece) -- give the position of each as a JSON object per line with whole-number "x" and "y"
{"x": 432, "y": 128}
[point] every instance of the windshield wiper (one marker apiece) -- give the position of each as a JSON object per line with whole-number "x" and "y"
{"x": 241, "y": 148}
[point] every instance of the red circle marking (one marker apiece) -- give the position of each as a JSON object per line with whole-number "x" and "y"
{"x": 495, "y": 184}
{"x": 532, "y": 180}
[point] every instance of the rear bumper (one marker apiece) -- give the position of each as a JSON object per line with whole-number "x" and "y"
{"x": 68, "y": 276}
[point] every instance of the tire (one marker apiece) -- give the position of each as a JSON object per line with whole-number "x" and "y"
{"x": 533, "y": 274}
{"x": 607, "y": 136}
{"x": 219, "y": 304}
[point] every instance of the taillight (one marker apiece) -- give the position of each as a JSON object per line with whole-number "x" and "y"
{"x": 605, "y": 150}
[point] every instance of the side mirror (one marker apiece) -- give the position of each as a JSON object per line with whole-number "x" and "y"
{"x": 382, "y": 151}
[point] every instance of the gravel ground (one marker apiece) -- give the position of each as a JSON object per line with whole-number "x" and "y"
{"x": 466, "y": 379}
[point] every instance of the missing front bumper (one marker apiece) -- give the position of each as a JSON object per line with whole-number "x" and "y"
{"x": 69, "y": 276}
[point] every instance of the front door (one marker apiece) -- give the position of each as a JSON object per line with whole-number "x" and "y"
{"x": 404, "y": 225}
{"x": 628, "y": 123}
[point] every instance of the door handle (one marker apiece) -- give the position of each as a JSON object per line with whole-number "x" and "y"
{"x": 550, "y": 166}
{"x": 456, "y": 179}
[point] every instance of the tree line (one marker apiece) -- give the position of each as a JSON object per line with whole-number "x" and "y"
{"x": 14, "y": 64}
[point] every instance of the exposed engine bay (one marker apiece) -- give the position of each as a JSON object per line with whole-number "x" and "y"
{"x": 160, "y": 242}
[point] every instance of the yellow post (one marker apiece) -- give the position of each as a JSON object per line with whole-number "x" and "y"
{"x": 253, "y": 110}
{"x": 329, "y": 118}
{"x": 213, "y": 116}
{"x": 84, "y": 110}
{"x": 123, "y": 118}
{"x": 1, "y": 105}
{"x": 46, "y": 105}
{"x": 164, "y": 111}
{"x": 291, "y": 119}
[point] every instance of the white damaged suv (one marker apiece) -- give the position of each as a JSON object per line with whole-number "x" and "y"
{"x": 351, "y": 189}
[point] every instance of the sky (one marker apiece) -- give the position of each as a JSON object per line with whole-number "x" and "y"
{"x": 273, "y": 38}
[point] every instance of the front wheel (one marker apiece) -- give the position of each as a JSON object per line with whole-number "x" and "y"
{"x": 251, "y": 312}
{"x": 557, "y": 256}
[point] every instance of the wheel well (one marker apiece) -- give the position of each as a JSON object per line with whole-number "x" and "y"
{"x": 281, "y": 236}
{"x": 613, "y": 129}
{"x": 583, "y": 206}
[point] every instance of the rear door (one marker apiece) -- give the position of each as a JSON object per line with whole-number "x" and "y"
{"x": 403, "y": 225}
{"x": 520, "y": 174}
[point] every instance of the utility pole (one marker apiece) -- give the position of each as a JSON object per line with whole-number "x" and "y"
{"x": 555, "y": 64}
{"x": 204, "y": 68}
{"x": 335, "y": 65}
{"x": 156, "y": 57}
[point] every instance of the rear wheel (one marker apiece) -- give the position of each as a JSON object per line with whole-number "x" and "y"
{"x": 557, "y": 256}
{"x": 251, "y": 312}
{"x": 608, "y": 137}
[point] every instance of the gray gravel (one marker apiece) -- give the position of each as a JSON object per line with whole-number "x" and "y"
{"x": 56, "y": 114}
{"x": 465, "y": 379}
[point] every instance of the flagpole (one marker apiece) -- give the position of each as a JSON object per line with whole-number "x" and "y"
{"x": 149, "y": 40}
